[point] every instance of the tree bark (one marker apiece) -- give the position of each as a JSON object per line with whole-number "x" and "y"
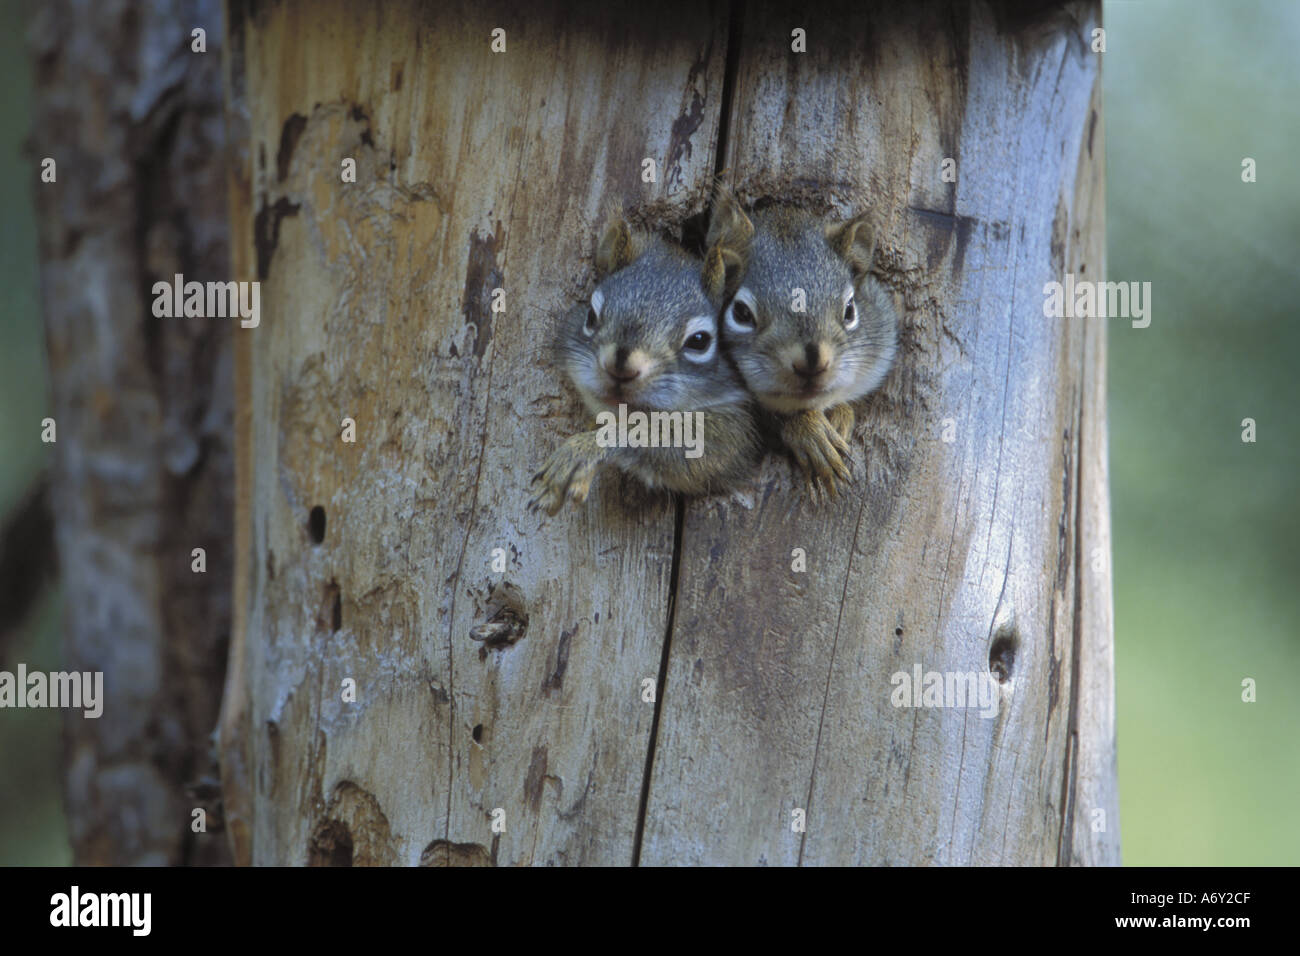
{"x": 975, "y": 539}
{"x": 142, "y": 465}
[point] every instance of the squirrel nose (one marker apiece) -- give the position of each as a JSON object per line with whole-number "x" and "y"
{"x": 620, "y": 372}
{"x": 813, "y": 362}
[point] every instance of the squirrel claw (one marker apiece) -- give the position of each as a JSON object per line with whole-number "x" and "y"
{"x": 568, "y": 474}
{"x": 841, "y": 419}
{"x": 820, "y": 450}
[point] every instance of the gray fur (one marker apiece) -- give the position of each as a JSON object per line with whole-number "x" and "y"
{"x": 647, "y": 306}
{"x": 790, "y": 249}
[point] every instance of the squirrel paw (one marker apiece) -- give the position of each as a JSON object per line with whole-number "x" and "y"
{"x": 819, "y": 448}
{"x": 567, "y": 474}
{"x": 841, "y": 419}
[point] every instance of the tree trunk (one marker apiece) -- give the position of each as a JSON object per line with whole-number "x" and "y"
{"x": 975, "y": 539}
{"x": 142, "y": 464}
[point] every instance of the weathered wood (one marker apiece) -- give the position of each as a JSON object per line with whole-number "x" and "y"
{"x": 479, "y": 171}
{"x": 142, "y": 466}
{"x": 947, "y": 555}
{"x": 1092, "y": 785}
{"x": 476, "y": 171}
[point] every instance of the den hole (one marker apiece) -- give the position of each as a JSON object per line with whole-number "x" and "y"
{"x": 1002, "y": 654}
{"x": 331, "y": 845}
{"x": 316, "y": 524}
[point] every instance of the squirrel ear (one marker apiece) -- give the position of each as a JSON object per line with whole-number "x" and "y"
{"x": 853, "y": 242}
{"x": 616, "y": 247}
{"x": 730, "y": 233}
{"x": 721, "y": 274}
{"x": 728, "y": 224}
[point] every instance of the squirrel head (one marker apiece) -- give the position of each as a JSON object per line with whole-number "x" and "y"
{"x": 648, "y": 337}
{"x": 806, "y": 325}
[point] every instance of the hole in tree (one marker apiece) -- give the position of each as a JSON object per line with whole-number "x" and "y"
{"x": 331, "y": 845}
{"x": 506, "y": 618}
{"x": 478, "y": 733}
{"x": 331, "y": 608}
{"x": 1002, "y": 654}
{"x": 316, "y": 524}
{"x": 341, "y": 855}
{"x": 695, "y": 231}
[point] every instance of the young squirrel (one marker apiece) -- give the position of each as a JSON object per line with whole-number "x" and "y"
{"x": 807, "y": 327}
{"x": 648, "y": 340}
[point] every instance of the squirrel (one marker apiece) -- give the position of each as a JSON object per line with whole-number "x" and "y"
{"x": 807, "y": 327}
{"x": 647, "y": 341}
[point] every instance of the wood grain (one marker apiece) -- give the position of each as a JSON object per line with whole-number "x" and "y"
{"x": 476, "y": 171}
{"x": 947, "y": 554}
{"x": 479, "y": 171}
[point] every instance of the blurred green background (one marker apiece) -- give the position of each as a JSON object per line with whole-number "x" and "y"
{"x": 32, "y": 828}
{"x": 1206, "y": 528}
{"x": 1206, "y": 560}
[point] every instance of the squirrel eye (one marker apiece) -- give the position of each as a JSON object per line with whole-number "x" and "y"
{"x": 589, "y": 327}
{"x": 850, "y": 316}
{"x": 699, "y": 343}
{"x": 740, "y": 316}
